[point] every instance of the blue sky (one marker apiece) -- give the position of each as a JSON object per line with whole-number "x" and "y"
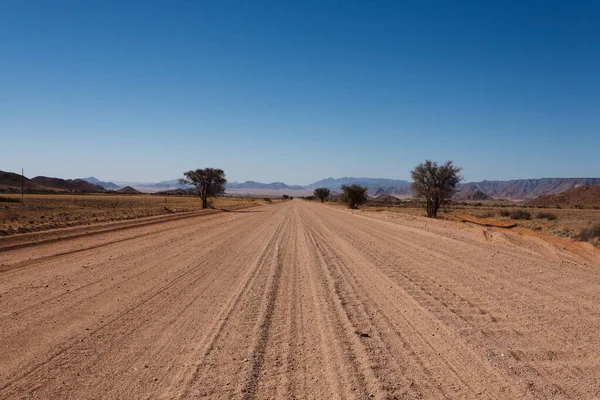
{"x": 298, "y": 91}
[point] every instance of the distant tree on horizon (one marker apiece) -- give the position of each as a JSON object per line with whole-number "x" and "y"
{"x": 354, "y": 195}
{"x": 435, "y": 185}
{"x": 322, "y": 193}
{"x": 209, "y": 182}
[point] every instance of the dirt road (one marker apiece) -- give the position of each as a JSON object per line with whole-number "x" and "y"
{"x": 300, "y": 300}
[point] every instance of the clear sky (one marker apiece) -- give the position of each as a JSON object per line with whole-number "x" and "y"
{"x": 298, "y": 91}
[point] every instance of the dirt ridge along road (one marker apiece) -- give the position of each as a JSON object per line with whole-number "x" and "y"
{"x": 21, "y": 240}
{"x": 299, "y": 300}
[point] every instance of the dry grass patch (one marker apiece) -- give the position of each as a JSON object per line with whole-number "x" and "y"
{"x": 41, "y": 212}
{"x": 577, "y": 224}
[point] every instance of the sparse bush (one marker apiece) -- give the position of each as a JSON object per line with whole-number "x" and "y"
{"x": 9, "y": 215}
{"x": 433, "y": 185}
{"x": 504, "y": 213}
{"x": 590, "y": 234}
{"x": 546, "y": 215}
{"x": 268, "y": 200}
{"x": 354, "y": 195}
{"x": 487, "y": 214}
{"x": 322, "y": 193}
{"x": 208, "y": 182}
{"x": 520, "y": 214}
{"x": 9, "y": 199}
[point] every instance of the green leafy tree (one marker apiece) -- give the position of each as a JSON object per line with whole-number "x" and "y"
{"x": 209, "y": 182}
{"x": 322, "y": 194}
{"x": 435, "y": 185}
{"x": 354, "y": 195}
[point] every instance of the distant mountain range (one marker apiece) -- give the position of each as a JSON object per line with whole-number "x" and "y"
{"x": 70, "y": 185}
{"x": 522, "y": 189}
{"x": 525, "y": 189}
{"x": 476, "y": 195}
{"x": 580, "y": 197}
{"x": 376, "y": 186}
{"x": 11, "y": 183}
{"x": 105, "y": 185}
{"x": 258, "y": 185}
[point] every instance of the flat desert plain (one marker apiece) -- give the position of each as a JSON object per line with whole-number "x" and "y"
{"x": 299, "y": 300}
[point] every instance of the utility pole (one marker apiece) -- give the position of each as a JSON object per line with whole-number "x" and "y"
{"x": 22, "y": 182}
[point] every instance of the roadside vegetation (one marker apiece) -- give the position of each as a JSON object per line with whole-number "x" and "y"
{"x": 354, "y": 195}
{"x": 6, "y": 199}
{"x": 520, "y": 214}
{"x": 209, "y": 182}
{"x": 591, "y": 234}
{"x": 546, "y": 215}
{"x": 435, "y": 185}
{"x": 38, "y": 212}
{"x": 573, "y": 223}
{"x": 322, "y": 194}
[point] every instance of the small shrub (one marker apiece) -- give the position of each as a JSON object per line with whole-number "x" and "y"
{"x": 504, "y": 213}
{"x": 9, "y": 199}
{"x": 590, "y": 234}
{"x": 9, "y": 215}
{"x": 520, "y": 214}
{"x": 268, "y": 200}
{"x": 354, "y": 195}
{"x": 487, "y": 214}
{"x": 546, "y": 215}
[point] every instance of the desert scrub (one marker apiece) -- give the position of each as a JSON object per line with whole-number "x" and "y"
{"x": 9, "y": 215}
{"x": 4, "y": 199}
{"x": 520, "y": 214}
{"x": 546, "y": 215}
{"x": 591, "y": 234}
{"x": 504, "y": 213}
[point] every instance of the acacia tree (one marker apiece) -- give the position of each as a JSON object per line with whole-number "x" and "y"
{"x": 322, "y": 193}
{"x": 354, "y": 195}
{"x": 209, "y": 182}
{"x": 435, "y": 185}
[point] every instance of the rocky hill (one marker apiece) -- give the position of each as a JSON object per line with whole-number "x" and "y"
{"x": 105, "y": 185}
{"x": 581, "y": 196}
{"x": 385, "y": 199}
{"x": 70, "y": 185}
{"x": 475, "y": 195}
{"x": 128, "y": 190}
{"x": 524, "y": 189}
{"x": 11, "y": 182}
{"x": 259, "y": 185}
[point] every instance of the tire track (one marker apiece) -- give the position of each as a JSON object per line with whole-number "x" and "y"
{"x": 299, "y": 301}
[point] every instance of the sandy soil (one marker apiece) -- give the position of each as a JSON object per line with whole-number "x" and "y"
{"x": 300, "y": 300}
